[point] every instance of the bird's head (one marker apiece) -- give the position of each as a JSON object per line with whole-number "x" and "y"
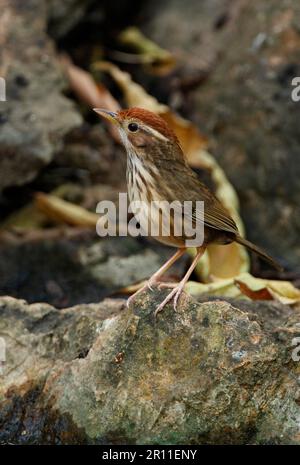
{"x": 144, "y": 133}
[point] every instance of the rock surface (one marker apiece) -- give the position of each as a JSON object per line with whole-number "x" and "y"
{"x": 102, "y": 373}
{"x": 63, "y": 16}
{"x": 35, "y": 116}
{"x": 250, "y": 50}
{"x": 64, "y": 267}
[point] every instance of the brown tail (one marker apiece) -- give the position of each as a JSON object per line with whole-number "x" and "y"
{"x": 259, "y": 252}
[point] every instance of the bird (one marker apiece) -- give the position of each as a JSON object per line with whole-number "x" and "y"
{"x": 157, "y": 170}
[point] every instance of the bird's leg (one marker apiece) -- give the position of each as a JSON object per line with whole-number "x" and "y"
{"x": 157, "y": 274}
{"x": 176, "y": 292}
{"x": 154, "y": 278}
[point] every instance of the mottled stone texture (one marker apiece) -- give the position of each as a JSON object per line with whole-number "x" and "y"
{"x": 36, "y": 115}
{"x": 101, "y": 373}
{"x": 63, "y": 16}
{"x": 63, "y": 267}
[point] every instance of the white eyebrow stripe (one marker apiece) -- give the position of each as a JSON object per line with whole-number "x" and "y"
{"x": 154, "y": 132}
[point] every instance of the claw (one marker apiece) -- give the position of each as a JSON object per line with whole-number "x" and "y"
{"x": 150, "y": 285}
{"x": 154, "y": 279}
{"x": 146, "y": 286}
{"x": 129, "y": 300}
{"x": 175, "y": 293}
{"x": 133, "y": 296}
{"x": 166, "y": 300}
{"x": 177, "y": 296}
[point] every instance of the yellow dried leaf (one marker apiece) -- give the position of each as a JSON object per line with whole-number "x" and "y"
{"x": 247, "y": 286}
{"x": 257, "y": 288}
{"x": 30, "y": 217}
{"x": 62, "y": 211}
{"x": 134, "y": 94}
{"x": 221, "y": 287}
{"x": 158, "y": 60}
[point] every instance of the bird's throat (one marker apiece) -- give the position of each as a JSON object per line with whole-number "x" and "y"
{"x": 141, "y": 178}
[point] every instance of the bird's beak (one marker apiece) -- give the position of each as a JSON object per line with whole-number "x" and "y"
{"x": 111, "y": 116}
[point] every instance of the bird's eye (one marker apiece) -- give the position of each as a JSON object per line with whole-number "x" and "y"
{"x": 133, "y": 127}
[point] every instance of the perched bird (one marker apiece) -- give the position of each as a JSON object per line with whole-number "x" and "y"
{"x": 157, "y": 170}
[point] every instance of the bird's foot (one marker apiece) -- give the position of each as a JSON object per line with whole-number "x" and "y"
{"x": 175, "y": 293}
{"x": 149, "y": 285}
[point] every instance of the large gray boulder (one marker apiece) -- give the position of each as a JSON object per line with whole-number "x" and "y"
{"x": 36, "y": 115}
{"x": 102, "y": 373}
{"x": 63, "y": 16}
{"x": 65, "y": 267}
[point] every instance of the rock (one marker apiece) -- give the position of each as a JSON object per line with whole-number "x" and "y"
{"x": 245, "y": 104}
{"x": 66, "y": 267}
{"x": 196, "y": 32}
{"x": 101, "y": 373}
{"x": 90, "y": 17}
{"x": 91, "y": 150}
{"x": 63, "y": 16}
{"x": 36, "y": 115}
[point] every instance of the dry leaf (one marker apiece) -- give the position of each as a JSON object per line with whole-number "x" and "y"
{"x": 158, "y": 60}
{"x": 267, "y": 289}
{"x": 93, "y": 94}
{"x": 219, "y": 261}
{"x": 221, "y": 287}
{"x": 30, "y": 217}
{"x": 62, "y": 211}
{"x": 247, "y": 286}
{"x": 85, "y": 87}
{"x": 134, "y": 94}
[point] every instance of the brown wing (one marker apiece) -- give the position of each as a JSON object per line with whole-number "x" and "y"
{"x": 215, "y": 215}
{"x": 184, "y": 185}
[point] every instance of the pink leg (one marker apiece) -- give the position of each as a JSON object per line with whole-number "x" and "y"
{"x": 165, "y": 267}
{"x": 157, "y": 274}
{"x": 176, "y": 292}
